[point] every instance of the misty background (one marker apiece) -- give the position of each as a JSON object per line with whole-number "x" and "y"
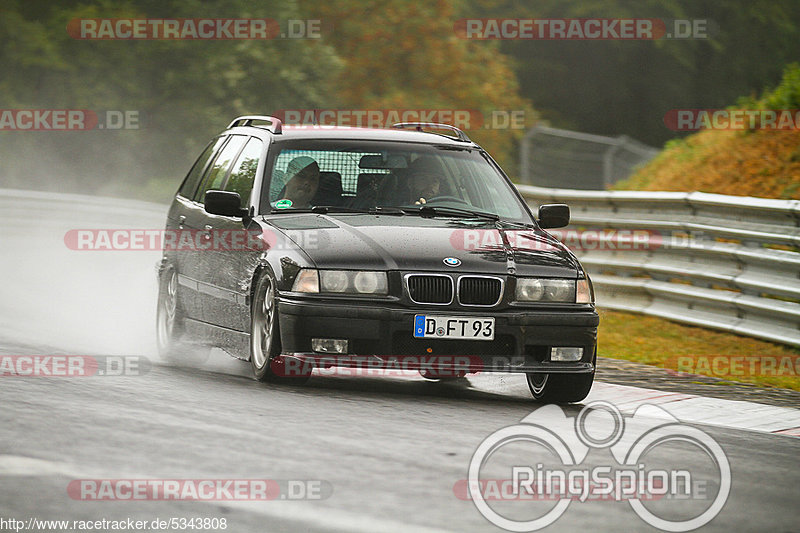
{"x": 372, "y": 55}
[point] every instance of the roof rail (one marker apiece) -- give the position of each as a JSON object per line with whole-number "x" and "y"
{"x": 460, "y": 135}
{"x": 275, "y": 127}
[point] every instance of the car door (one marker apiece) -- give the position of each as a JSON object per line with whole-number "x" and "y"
{"x": 230, "y": 269}
{"x": 196, "y": 274}
{"x": 182, "y": 214}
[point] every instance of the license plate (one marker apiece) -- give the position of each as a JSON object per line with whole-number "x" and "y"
{"x": 454, "y": 327}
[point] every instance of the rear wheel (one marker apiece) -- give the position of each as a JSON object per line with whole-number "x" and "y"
{"x": 265, "y": 341}
{"x": 169, "y": 324}
{"x": 561, "y": 388}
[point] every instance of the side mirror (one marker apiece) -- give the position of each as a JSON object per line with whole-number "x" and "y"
{"x": 553, "y": 215}
{"x": 225, "y": 203}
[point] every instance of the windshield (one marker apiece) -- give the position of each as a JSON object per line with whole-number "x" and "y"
{"x": 368, "y": 176}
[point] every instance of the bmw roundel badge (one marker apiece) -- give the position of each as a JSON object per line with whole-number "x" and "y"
{"x": 451, "y": 261}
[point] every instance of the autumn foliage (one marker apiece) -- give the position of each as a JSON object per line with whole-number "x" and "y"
{"x": 764, "y": 163}
{"x": 406, "y": 55}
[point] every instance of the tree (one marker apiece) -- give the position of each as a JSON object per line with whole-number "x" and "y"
{"x": 626, "y": 87}
{"x": 184, "y": 91}
{"x": 406, "y": 55}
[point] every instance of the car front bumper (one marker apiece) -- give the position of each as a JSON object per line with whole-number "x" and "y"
{"x": 381, "y": 336}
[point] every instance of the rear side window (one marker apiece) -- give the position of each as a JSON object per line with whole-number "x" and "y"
{"x": 219, "y": 168}
{"x": 244, "y": 170}
{"x": 192, "y": 179}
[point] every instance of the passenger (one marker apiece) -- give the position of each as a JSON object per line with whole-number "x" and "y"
{"x": 303, "y": 181}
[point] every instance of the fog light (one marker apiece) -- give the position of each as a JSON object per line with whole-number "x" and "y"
{"x": 329, "y": 345}
{"x": 565, "y": 354}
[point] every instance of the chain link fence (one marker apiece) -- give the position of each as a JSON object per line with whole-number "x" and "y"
{"x": 567, "y": 159}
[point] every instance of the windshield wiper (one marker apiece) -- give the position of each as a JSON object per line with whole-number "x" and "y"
{"x": 424, "y": 211}
{"x": 319, "y": 209}
{"x": 324, "y": 209}
{"x": 387, "y": 210}
{"x": 431, "y": 211}
{"x": 336, "y": 209}
{"x": 376, "y": 210}
{"x": 515, "y": 224}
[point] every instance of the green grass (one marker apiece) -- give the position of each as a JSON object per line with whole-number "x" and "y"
{"x": 659, "y": 342}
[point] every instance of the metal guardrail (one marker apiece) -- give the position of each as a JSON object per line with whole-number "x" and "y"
{"x": 19, "y": 207}
{"x": 723, "y": 262}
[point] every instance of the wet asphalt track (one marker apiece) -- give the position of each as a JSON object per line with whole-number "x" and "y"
{"x": 389, "y": 451}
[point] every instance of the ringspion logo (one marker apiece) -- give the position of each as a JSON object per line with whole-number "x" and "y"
{"x": 542, "y": 459}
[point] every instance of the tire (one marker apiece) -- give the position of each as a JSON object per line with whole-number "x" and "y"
{"x": 169, "y": 324}
{"x": 561, "y": 388}
{"x": 265, "y": 340}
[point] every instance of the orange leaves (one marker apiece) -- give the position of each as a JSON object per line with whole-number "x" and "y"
{"x": 406, "y": 55}
{"x": 762, "y": 163}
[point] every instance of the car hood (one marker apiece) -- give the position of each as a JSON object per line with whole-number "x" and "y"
{"x": 406, "y": 243}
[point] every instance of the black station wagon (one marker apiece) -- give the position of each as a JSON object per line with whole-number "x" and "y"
{"x": 408, "y": 247}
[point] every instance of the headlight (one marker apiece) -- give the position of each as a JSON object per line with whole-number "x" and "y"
{"x": 371, "y": 283}
{"x": 333, "y": 281}
{"x": 342, "y": 282}
{"x": 545, "y": 290}
{"x": 529, "y": 290}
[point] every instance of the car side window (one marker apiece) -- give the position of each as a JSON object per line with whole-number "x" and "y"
{"x": 192, "y": 179}
{"x": 219, "y": 169}
{"x": 244, "y": 170}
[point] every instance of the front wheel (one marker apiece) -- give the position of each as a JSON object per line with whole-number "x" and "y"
{"x": 265, "y": 338}
{"x": 561, "y": 388}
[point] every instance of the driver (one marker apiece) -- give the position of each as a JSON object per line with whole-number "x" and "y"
{"x": 424, "y": 180}
{"x": 303, "y": 181}
{"x": 424, "y": 186}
